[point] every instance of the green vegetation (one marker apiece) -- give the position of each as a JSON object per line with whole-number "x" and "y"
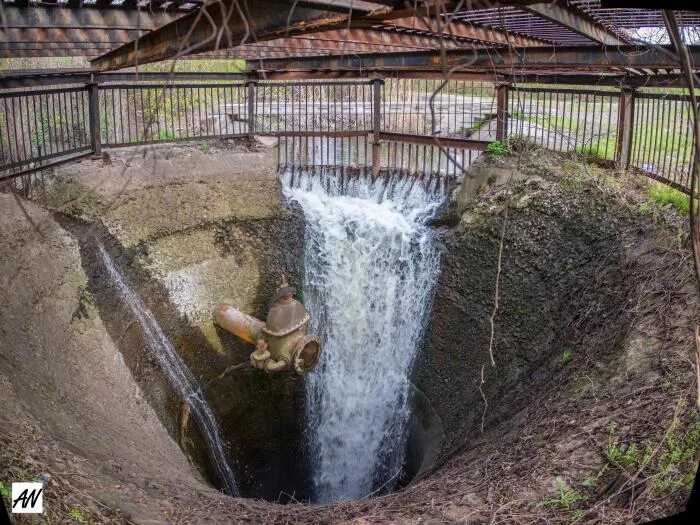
{"x": 565, "y": 357}
{"x": 165, "y": 134}
{"x": 593, "y": 479}
{"x": 664, "y": 195}
{"x": 4, "y": 490}
{"x": 678, "y": 461}
{"x": 567, "y": 499}
{"x": 497, "y": 148}
{"x": 77, "y": 515}
{"x": 671, "y": 468}
{"x": 605, "y": 148}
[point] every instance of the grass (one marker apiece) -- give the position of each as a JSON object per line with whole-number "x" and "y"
{"x": 663, "y": 196}
{"x": 567, "y": 499}
{"x": 565, "y": 357}
{"x": 497, "y": 148}
{"x": 77, "y": 515}
{"x": 165, "y": 134}
{"x": 678, "y": 461}
{"x": 671, "y": 469}
{"x": 605, "y": 148}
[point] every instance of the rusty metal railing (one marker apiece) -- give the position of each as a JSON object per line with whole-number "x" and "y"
{"x": 40, "y": 127}
{"x": 417, "y": 125}
{"x": 662, "y": 138}
{"x": 144, "y": 114}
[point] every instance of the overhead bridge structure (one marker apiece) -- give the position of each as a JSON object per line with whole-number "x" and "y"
{"x": 418, "y": 85}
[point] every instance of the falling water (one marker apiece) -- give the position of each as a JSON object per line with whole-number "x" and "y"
{"x": 179, "y": 375}
{"x": 370, "y": 264}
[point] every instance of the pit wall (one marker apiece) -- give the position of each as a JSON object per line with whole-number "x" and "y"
{"x": 192, "y": 227}
{"x": 560, "y": 238}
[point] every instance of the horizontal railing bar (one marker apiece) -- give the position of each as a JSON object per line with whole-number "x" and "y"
{"x": 661, "y": 178}
{"x": 566, "y": 91}
{"x": 43, "y": 92}
{"x": 180, "y": 139}
{"x": 319, "y": 83}
{"x": 434, "y": 140}
{"x": 84, "y": 151}
{"x": 339, "y": 134}
{"x": 662, "y": 96}
{"x": 168, "y": 86}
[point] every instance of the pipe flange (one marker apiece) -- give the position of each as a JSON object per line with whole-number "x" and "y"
{"x": 306, "y": 353}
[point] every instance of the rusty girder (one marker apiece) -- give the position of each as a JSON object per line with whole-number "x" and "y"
{"x": 83, "y": 18}
{"x": 572, "y": 18}
{"x": 554, "y": 59}
{"x": 216, "y": 26}
{"x": 461, "y": 30}
{"x": 61, "y": 35}
{"x": 224, "y": 24}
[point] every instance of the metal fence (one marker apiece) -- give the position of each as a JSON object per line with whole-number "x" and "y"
{"x": 662, "y": 137}
{"x": 39, "y": 126}
{"x": 418, "y": 125}
{"x": 647, "y": 131}
{"x": 566, "y": 119}
{"x": 143, "y": 114}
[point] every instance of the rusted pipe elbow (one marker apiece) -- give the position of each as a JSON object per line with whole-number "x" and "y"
{"x": 239, "y": 324}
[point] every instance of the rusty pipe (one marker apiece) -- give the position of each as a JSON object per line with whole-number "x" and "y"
{"x": 242, "y": 325}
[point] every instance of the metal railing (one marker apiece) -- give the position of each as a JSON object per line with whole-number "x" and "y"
{"x": 40, "y": 126}
{"x": 418, "y": 125}
{"x": 145, "y": 114}
{"x": 662, "y": 138}
{"x": 565, "y": 119}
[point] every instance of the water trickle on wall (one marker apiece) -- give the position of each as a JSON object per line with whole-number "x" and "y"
{"x": 370, "y": 265}
{"x": 180, "y": 377}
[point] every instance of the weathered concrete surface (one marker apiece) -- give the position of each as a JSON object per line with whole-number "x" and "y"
{"x": 191, "y": 229}
{"x": 69, "y": 401}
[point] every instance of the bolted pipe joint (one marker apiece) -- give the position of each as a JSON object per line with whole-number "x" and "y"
{"x": 281, "y": 342}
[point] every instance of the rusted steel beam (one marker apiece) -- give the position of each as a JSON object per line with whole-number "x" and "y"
{"x": 215, "y": 26}
{"x": 39, "y": 53}
{"x": 377, "y": 37}
{"x": 456, "y": 29}
{"x": 41, "y": 35}
{"x": 354, "y": 40}
{"x": 371, "y": 73}
{"x": 434, "y": 141}
{"x": 67, "y": 46}
{"x": 84, "y": 18}
{"x": 222, "y": 25}
{"x": 572, "y": 18}
{"x": 553, "y": 59}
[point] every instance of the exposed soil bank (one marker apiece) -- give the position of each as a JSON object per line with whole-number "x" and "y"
{"x": 589, "y": 403}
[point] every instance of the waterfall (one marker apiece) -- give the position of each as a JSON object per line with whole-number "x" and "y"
{"x": 370, "y": 264}
{"x": 180, "y": 377}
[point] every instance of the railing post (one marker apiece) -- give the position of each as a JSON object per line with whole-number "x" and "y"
{"x": 501, "y": 111}
{"x": 625, "y": 122}
{"x": 377, "y": 84}
{"x": 94, "y": 118}
{"x": 251, "y": 85}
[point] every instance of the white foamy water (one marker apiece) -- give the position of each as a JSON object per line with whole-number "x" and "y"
{"x": 181, "y": 379}
{"x": 370, "y": 265}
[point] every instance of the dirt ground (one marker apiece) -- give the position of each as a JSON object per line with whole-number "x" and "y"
{"x": 606, "y": 430}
